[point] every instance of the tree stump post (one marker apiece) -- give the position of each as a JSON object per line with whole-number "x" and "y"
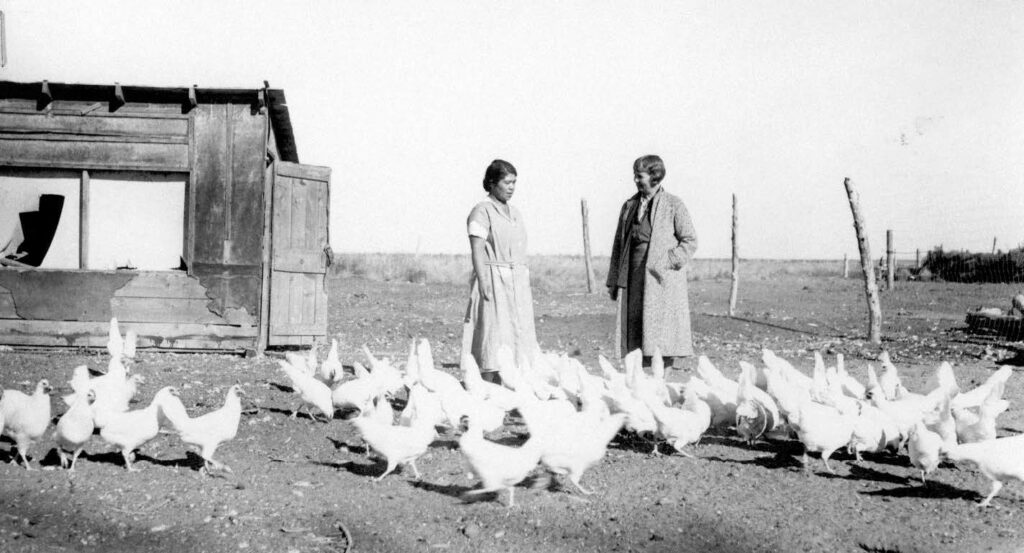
{"x": 870, "y": 286}
{"x": 734, "y": 292}
{"x": 586, "y": 246}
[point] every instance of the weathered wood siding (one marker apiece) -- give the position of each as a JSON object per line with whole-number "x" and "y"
{"x": 166, "y": 309}
{"x": 298, "y": 299}
{"x": 228, "y": 161}
{"x": 104, "y": 141}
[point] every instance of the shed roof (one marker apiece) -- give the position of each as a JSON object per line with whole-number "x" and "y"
{"x": 277, "y": 106}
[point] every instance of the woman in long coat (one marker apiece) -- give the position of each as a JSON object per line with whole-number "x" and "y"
{"x": 653, "y": 245}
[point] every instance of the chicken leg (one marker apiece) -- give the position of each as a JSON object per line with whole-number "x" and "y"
{"x": 128, "y": 456}
{"x": 996, "y": 486}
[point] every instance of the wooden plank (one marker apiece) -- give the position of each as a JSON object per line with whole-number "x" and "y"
{"x": 302, "y": 171}
{"x": 163, "y": 284}
{"x": 164, "y": 310}
{"x": 321, "y": 304}
{"x": 300, "y": 261}
{"x": 95, "y": 126}
{"x": 46, "y": 137}
{"x": 308, "y": 299}
{"x": 247, "y": 168}
{"x": 94, "y": 334}
{"x": 229, "y": 182}
{"x": 299, "y": 229}
{"x": 7, "y": 305}
{"x": 83, "y": 221}
{"x": 115, "y": 156}
{"x": 264, "y": 319}
{"x": 210, "y": 176}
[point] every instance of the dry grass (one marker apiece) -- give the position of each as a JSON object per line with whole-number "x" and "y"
{"x": 559, "y": 272}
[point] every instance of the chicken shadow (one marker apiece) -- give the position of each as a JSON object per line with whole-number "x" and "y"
{"x": 374, "y": 469}
{"x": 115, "y": 458}
{"x": 282, "y": 387}
{"x": 861, "y": 472}
{"x": 932, "y": 490}
{"x": 37, "y": 455}
{"x": 451, "y": 490}
{"x": 302, "y": 414}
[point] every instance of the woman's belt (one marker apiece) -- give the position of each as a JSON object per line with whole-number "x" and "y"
{"x": 511, "y": 264}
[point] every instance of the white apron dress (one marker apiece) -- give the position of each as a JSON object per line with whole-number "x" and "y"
{"x": 507, "y": 318}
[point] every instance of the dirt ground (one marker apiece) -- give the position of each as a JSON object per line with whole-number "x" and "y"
{"x": 301, "y": 485}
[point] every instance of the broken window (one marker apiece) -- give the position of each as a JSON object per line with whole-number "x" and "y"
{"x": 93, "y": 220}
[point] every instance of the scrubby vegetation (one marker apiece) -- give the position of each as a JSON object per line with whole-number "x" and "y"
{"x": 556, "y": 272}
{"x": 976, "y": 267}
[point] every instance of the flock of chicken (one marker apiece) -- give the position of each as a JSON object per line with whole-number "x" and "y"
{"x": 571, "y": 414}
{"x": 102, "y": 403}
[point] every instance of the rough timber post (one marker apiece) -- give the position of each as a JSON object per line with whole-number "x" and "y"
{"x": 870, "y": 286}
{"x": 735, "y": 262}
{"x": 586, "y": 246}
{"x": 890, "y": 261}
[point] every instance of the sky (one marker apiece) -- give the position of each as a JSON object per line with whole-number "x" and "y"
{"x": 920, "y": 103}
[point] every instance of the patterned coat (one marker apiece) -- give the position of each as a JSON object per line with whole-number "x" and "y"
{"x": 666, "y": 313}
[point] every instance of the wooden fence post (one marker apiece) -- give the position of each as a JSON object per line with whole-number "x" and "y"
{"x": 870, "y": 286}
{"x": 890, "y": 261}
{"x": 917, "y": 258}
{"x": 846, "y": 266}
{"x": 83, "y": 221}
{"x": 586, "y": 245}
{"x": 735, "y": 261}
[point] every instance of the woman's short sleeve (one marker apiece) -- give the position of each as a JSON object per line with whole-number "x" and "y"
{"x": 478, "y": 223}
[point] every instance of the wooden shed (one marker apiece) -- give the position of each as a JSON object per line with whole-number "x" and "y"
{"x": 182, "y": 212}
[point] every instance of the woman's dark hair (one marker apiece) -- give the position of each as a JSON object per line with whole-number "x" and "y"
{"x": 652, "y": 165}
{"x": 497, "y": 170}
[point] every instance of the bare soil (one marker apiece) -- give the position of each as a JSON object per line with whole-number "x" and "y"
{"x": 304, "y": 485}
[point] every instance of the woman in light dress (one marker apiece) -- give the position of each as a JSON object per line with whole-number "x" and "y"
{"x": 500, "y": 311}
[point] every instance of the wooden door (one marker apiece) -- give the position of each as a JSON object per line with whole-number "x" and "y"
{"x": 299, "y": 253}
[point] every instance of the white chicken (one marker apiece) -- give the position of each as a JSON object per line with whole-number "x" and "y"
{"x": 74, "y": 429}
{"x": 873, "y": 432}
{"x": 995, "y": 383}
{"x": 422, "y": 404}
{"x": 890, "y": 378}
{"x": 942, "y": 423}
{"x": 129, "y": 431}
{"x": 851, "y": 386}
{"x": 26, "y": 417}
{"x": 682, "y": 426}
{"x": 905, "y": 414}
{"x": 795, "y": 378}
{"x": 399, "y": 445}
{"x": 722, "y": 392}
{"x": 611, "y": 375}
{"x": 756, "y": 411}
{"x": 131, "y": 340}
{"x": 1001, "y": 460}
{"x": 497, "y": 466}
{"x": 923, "y": 447}
{"x": 482, "y": 389}
{"x": 974, "y": 427}
{"x": 115, "y": 343}
{"x": 331, "y": 370}
{"x": 388, "y": 380}
{"x": 572, "y": 444}
{"x": 206, "y": 432}
{"x": 310, "y": 391}
{"x": 819, "y": 427}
